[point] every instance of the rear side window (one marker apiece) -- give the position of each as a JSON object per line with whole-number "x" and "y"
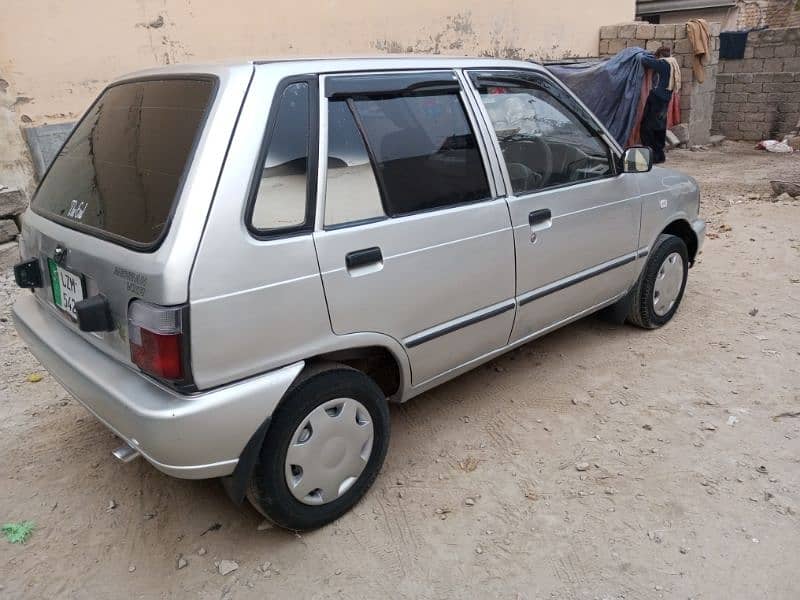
{"x": 119, "y": 173}
{"x": 281, "y": 199}
{"x": 425, "y": 153}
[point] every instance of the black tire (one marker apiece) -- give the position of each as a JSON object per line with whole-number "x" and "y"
{"x": 268, "y": 491}
{"x": 642, "y": 312}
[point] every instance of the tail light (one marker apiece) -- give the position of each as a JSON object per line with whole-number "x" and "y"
{"x": 156, "y": 339}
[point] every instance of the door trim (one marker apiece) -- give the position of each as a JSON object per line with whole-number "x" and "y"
{"x": 461, "y": 322}
{"x": 576, "y": 278}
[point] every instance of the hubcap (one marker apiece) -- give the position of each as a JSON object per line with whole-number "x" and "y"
{"x": 668, "y": 284}
{"x": 328, "y": 451}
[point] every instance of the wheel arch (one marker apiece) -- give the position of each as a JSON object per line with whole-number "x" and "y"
{"x": 369, "y": 353}
{"x": 682, "y": 229}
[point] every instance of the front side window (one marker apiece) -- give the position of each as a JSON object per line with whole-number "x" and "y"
{"x": 281, "y": 198}
{"x": 544, "y": 144}
{"x": 424, "y": 152}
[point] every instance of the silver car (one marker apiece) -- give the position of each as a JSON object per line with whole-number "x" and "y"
{"x": 236, "y": 267}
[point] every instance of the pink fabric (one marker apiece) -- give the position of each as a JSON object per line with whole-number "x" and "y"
{"x": 673, "y": 111}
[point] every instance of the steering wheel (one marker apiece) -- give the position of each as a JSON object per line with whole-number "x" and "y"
{"x": 539, "y": 154}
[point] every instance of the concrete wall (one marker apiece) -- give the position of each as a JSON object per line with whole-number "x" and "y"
{"x": 60, "y": 53}
{"x": 55, "y": 56}
{"x": 697, "y": 99}
{"x": 16, "y": 170}
{"x": 758, "y": 97}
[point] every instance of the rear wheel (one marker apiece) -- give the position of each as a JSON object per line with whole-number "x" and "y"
{"x": 323, "y": 450}
{"x": 659, "y": 291}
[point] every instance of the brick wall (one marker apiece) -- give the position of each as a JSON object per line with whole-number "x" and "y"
{"x": 697, "y": 99}
{"x": 758, "y": 97}
{"x": 752, "y": 14}
{"x": 778, "y": 12}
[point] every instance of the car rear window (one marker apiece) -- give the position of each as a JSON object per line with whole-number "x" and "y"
{"x": 119, "y": 173}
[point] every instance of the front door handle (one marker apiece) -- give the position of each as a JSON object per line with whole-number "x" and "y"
{"x": 363, "y": 258}
{"x": 541, "y": 218}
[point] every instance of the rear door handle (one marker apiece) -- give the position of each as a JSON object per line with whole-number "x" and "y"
{"x": 540, "y": 219}
{"x": 363, "y": 258}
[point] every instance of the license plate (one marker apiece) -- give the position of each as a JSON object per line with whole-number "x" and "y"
{"x": 67, "y": 288}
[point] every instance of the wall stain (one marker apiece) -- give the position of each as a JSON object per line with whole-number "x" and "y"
{"x": 458, "y": 36}
{"x": 156, "y": 23}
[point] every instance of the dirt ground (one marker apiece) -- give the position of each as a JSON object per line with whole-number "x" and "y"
{"x": 692, "y": 485}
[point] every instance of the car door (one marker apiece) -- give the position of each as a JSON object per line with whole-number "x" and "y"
{"x": 575, "y": 218}
{"x": 411, "y": 238}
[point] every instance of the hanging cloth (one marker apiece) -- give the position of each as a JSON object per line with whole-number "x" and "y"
{"x": 700, "y": 37}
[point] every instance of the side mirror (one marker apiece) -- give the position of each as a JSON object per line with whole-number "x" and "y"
{"x": 638, "y": 159}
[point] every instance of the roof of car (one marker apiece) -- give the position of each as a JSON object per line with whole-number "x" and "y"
{"x": 338, "y": 64}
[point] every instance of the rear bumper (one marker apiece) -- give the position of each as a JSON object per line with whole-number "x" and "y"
{"x": 192, "y": 437}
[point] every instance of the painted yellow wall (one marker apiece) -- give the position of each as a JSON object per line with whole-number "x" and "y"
{"x": 59, "y": 54}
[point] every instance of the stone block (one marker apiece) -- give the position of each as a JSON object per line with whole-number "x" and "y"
{"x": 8, "y": 230}
{"x": 722, "y": 97}
{"x": 747, "y": 125}
{"x": 753, "y": 136}
{"x": 791, "y": 65}
{"x": 782, "y": 87}
{"x": 754, "y": 88}
{"x": 764, "y": 52}
{"x": 684, "y": 46}
{"x": 680, "y": 32}
{"x": 734, "y": 88}
{"x": 749, "y": 52}
{"x": 681, "y": 131}
{"x": 753, "y": 65}
{"x": 645, "y": 31}
{"x": 44, "y": 142}
{"x": 773, "y": 65}
{"x": 726, "y": 78}
{"x": 9, "y": 255}
{"x": 628, "y": 30}
{"x": 737, "y": 97}
{"x": 653, "y": 45}
{"x": 608, "y": 32}
{"x": 12, "y": 203}
{"x": 726, "y": 127}
{"x": 752, "y": 107}
{"x": 733, "y": 66}
{"x": 715, "y": 28}
{"x": 604, "y": 45}
{"x": 665, "y": 32}
{"x": 615, "y": 46}
{"x": 774, "y": 77}
{"x": 743, "y": 78}
{"x": 786, "y": 51}
{"x": 635, "y": 43}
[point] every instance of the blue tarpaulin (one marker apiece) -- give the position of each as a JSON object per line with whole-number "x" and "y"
{"x": 610, "y": 88}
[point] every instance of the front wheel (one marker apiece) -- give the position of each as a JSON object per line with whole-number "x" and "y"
{"x": 323, "y": 450}
{"x": 659, "y": 291}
